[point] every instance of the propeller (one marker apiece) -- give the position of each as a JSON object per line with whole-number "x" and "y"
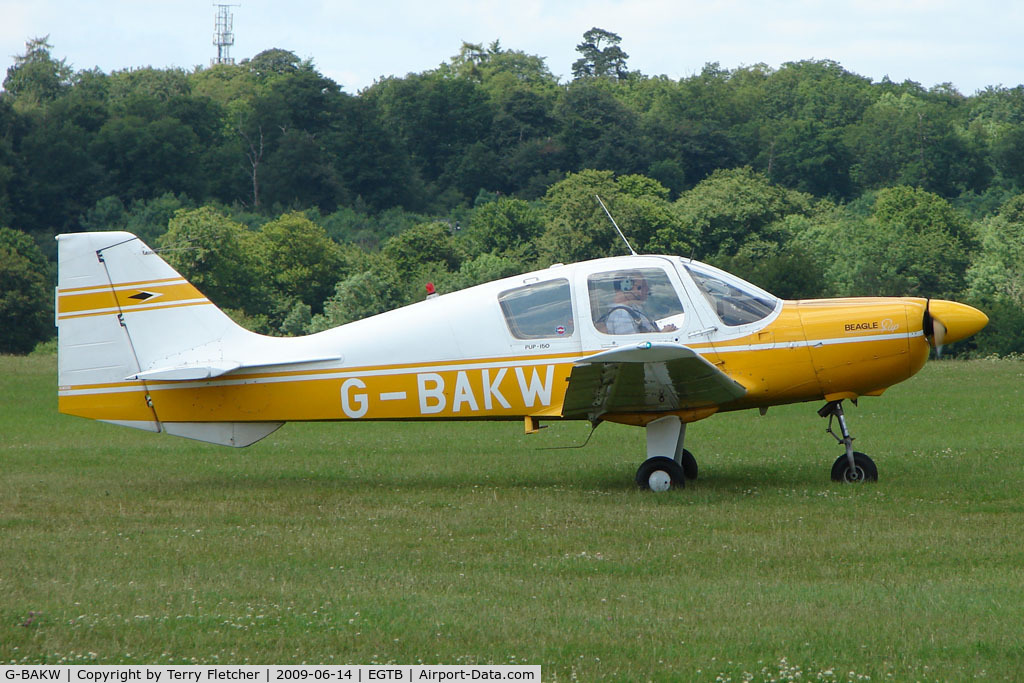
{"x": 934, "y": 330}
{"x": 946, "y": 322}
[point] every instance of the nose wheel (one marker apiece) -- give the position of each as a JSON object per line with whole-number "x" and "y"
{"x": 853, "y": 467}
{"x": 863, "y": 469}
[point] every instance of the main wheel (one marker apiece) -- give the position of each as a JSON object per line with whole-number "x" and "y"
{"x": 864, "y": 469}
{"x": 689, "y": 465}
{"x": 660, "y": 474}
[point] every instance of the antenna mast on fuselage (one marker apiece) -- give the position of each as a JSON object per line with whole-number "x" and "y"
{"x": 617, "y": 229}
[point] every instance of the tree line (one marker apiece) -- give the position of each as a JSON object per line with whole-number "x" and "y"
{"x": 299, "y": 206}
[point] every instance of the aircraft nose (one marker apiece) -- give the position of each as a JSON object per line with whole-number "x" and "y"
{"x": 953, "y": 321}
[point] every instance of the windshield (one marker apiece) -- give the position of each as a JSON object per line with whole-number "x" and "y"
{"x": 735, "y": 301}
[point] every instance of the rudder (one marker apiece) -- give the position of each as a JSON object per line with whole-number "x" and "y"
{"x": 125, "y": 317}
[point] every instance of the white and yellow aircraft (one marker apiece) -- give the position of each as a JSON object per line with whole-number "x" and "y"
{"x": 653, "y": 341}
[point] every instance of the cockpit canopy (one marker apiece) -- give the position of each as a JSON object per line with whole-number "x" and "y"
{"x": 628, "y": 295}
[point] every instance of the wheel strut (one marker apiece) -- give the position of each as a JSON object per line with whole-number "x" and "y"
{"x": 668, "y": 464}
{"x": 853, "y": 466}
{"x": 834, "y": 409}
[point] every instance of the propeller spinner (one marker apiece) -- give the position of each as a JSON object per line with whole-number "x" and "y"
{"x": 947, "y": 321}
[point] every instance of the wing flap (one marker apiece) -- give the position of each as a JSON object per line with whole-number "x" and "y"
{"x": 648, "y": 377}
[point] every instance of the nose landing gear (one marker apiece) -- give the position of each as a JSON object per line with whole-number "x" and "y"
{"x": 853, "y": 466}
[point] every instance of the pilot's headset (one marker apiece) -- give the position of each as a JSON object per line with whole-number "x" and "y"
{"x": 626, "y": 283}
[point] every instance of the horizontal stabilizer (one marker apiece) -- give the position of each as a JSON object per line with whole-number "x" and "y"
{"x": 185, "y": 372}
{"x": 211, "y": 369}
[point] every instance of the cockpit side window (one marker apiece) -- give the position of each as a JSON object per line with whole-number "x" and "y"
{"x": 634, "y": 300}
{"x": 539, "y": 310}
{"x": 735, "y": 301}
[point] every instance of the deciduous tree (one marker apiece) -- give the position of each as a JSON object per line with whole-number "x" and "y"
{"x": 216, "y": 254}
{"x": 728, "y": 209}
{"x": 26, "y": 297}
{"x": 298, "y": 260}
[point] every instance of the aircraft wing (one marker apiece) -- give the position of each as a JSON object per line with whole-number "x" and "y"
{"x": 646, "y": 378}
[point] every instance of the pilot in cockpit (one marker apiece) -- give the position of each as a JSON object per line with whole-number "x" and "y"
{"x": 627, "y": 314}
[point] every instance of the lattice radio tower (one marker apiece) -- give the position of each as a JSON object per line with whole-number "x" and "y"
{"x": 224, "y": 36}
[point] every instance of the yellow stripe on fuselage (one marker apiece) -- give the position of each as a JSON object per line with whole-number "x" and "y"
{"x": 504, "y": 387}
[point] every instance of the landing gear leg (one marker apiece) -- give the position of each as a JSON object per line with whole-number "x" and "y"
{"x": 853, "y": 466}
{"x": 668, "y": 464}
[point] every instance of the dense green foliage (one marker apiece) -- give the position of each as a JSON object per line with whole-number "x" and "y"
{"x": 283, "y": 197}
{"x": 26, "y": 303}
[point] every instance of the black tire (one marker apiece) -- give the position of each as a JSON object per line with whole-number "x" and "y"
{"x": 660, "y": 464}
{"x": 689, "y": 465}
{"x": 864, "y": 469}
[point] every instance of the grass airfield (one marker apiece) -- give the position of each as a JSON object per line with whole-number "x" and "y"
{"x": 468, "y": 543}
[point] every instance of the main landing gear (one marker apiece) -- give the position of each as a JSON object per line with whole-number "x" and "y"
{"x": 668, "y": 464}
{"x": 853, "y": 466}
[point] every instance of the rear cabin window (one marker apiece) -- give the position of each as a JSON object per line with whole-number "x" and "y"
{"x": 538, "y": 311}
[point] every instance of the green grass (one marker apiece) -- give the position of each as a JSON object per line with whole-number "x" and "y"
{"x": 466, "y": 543}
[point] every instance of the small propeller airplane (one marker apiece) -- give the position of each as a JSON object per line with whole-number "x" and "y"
{"x": 652, "y": 341}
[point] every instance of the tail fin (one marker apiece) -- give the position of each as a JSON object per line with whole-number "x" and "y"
{"x": 125, "y": 318}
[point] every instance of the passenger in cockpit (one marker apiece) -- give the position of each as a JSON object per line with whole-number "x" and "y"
{"x": 628, "y": 315}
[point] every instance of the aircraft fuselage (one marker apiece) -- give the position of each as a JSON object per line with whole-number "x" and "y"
{"x": 460, "y": 356}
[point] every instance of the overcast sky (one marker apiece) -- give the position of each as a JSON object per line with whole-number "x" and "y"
{"x": 969, "y": 44}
